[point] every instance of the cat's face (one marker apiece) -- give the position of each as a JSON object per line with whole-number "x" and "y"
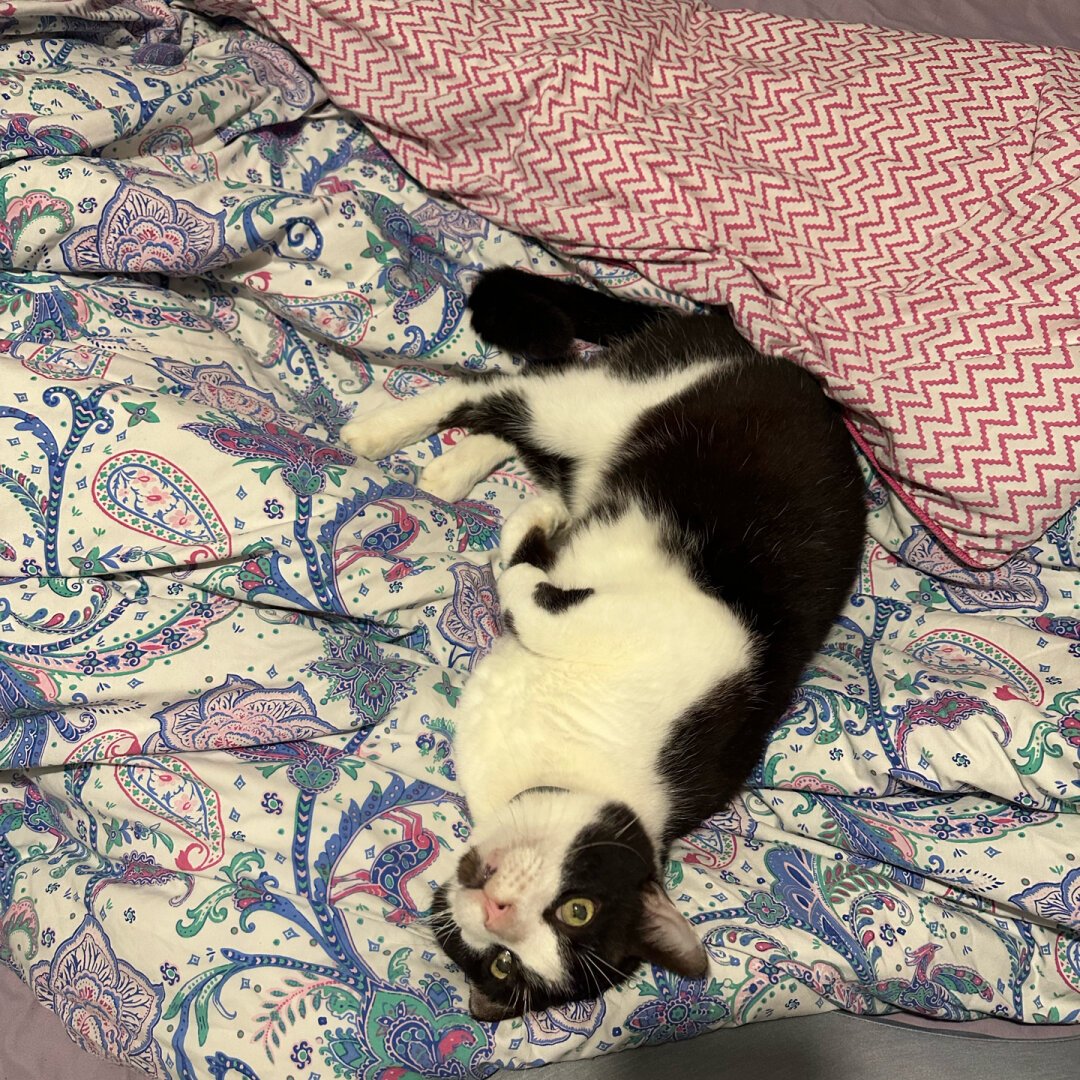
{"x": 556, "y": 901}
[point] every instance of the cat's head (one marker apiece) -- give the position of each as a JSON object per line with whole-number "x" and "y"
{"x": 557, "y": 900}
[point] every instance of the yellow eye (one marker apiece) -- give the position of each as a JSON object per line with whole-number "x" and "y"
{"x": 577, "y": 912}
{"x": 501, "y": 965}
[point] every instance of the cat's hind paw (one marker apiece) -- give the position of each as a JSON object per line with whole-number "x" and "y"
{"x": 460, "y": 468}
{"x": 381, "y": 432}
{"x": 546, "y": 512}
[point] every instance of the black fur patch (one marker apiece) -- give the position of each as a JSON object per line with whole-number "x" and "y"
{"x": 555, "y": 600}
{"x": 539, "y": 317}
{"x": 471, "y": 871}
{"x": 535, "y": 549}
{"x": 776, "y": 535}
{"x": 610, "y": 862}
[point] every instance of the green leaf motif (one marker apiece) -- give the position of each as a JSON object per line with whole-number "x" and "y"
{"x": 1038, "y": 748}
{"x": 398, "y": 969}
{"x": 141, "y": 412}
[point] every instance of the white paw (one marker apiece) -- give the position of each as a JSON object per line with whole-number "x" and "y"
{"x": 545, "y": 512}
{"x": 517, "y": 585}
{"x": 381, "y": 432}
{"x": 450, "y": 477}
{"x": 460, "y": 468}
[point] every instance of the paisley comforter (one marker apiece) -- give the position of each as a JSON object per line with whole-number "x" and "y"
{"x": 231, "y": 654}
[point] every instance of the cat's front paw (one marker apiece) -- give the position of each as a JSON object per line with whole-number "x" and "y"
{"x": 381, "y": 432}
{"x": 461, "y": 467}
{"x": 546, "y": 512}
{"x": 517, "y": 586}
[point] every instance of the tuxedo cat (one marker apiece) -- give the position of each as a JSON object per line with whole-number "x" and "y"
{"x": 698, "y": 532}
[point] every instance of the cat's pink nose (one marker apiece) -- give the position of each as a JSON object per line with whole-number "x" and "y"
{"x": 497, "y": 916}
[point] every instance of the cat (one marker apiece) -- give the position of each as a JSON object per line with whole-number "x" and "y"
{"x": 699, "y": 530}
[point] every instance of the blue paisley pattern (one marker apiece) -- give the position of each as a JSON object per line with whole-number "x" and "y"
{"x": 231, "y": 654}
{"x": 141, "y": 230}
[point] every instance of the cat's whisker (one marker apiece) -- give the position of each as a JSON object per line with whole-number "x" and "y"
{"x": 600, "y": 980}
{"x": 587, "y": 972}
{"x": 433, "y": 916}
{"x": 611, "y": 967}
{"x": 592, "y": 975}
{"x": 608, "y": 843}
{"x": 435, "y": 923}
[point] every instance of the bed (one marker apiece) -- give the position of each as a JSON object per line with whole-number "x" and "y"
{"x": 231, "y": 653}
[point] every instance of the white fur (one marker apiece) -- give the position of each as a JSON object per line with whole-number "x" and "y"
{"x": 583, "y": 699}
{"x": 461, "y": 467}
{"x": 528, "y": 873}
{"x": 395, "y": 424}
{"x": 586, "y": 413}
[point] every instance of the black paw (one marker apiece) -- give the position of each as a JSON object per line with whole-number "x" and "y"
{"x": 509, "y": 311}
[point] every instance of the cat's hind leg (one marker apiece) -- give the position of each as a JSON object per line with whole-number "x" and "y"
{"x": 459, "y": 468}
{"x": 540, "y": 317}
{"x": 401, "y": 423}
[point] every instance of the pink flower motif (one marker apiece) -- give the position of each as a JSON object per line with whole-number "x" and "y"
{"x": 237, "y": 713}
{"x": 1069, "y": 728}
{"x": 109, "y": 1007}
{"x": 180, "y": 517}
{"x": 156, "y": 496}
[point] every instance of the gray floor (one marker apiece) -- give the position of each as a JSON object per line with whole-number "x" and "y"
{"x": 834, "y": 1047}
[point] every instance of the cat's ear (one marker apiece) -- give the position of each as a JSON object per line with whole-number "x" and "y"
{"x": 481, "y": 1007}
{"x": 667, "y": 939}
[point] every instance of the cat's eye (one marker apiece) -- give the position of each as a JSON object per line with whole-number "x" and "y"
{"x": 502, "y": 964}
{"x": 577, "y": 912}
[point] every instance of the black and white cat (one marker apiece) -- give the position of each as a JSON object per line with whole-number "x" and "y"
{"x": 699, "y": 531}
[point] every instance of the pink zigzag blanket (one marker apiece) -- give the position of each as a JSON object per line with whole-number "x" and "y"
{"x": 898, "y": 212}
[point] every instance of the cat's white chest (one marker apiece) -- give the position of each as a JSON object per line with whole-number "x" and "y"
{"x": 598, "y": 724}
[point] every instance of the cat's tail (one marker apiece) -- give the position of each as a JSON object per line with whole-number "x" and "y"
{"x": 539, "y": 317}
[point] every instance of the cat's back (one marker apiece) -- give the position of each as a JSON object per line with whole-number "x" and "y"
{"x": 753, "y": 471}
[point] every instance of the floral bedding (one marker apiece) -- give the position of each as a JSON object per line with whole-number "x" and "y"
{"x": 898, "y": 212}
{"x": 231, "y": 654}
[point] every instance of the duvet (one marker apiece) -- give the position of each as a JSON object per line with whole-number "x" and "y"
{"x": 231, "y": 654}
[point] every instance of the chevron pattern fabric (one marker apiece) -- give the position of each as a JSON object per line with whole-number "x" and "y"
{"x": 898, "y": 212}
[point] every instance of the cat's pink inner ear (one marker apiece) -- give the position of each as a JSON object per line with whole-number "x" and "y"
{"x": 668, "y": 940}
